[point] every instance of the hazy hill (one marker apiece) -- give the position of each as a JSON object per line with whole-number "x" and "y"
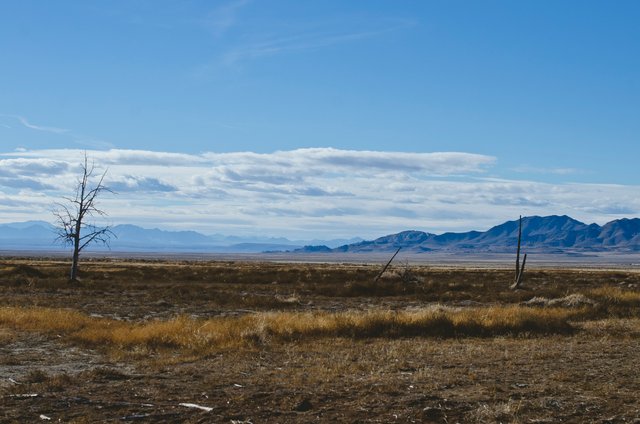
{"x": 40, "y": 235}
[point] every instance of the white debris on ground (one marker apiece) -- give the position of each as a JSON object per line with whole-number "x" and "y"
{"x": 193, "y": 405}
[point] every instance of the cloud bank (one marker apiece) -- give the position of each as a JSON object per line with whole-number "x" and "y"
{"x": 303, "y": 193}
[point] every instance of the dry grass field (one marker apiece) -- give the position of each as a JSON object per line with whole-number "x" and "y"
{"x": 240, "y": 342}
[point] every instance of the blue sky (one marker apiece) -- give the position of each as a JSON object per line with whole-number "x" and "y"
{"x": 327, "y": 118}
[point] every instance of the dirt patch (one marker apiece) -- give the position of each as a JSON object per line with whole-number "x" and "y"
{"x": 29, "y": 352}
{"x": 551, "y": 379}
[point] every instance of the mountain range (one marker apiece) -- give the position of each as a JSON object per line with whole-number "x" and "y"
{"x": 41, "y": 235}
{"x": 549, "y": 234}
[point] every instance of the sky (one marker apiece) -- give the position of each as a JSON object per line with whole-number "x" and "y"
{"x": 309, "y": 119}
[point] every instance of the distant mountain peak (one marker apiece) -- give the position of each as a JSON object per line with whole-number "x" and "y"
{"x": 540, "y": 233}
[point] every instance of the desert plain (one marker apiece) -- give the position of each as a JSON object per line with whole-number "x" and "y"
{"x": 250, "y": 341}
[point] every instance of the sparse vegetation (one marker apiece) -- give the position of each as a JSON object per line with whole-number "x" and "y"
{"x": 205, "y": 336}
{"x": 266, "y": 342}
{"x": 616, "y": 296}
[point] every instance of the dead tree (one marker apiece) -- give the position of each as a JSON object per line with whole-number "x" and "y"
{"x": 71, "y": 215}
{"x": 519, "y": 269}
{"x": 387, "y": 265}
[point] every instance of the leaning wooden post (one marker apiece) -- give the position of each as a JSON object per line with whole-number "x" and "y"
{"x": 519, "y": 270}
{"x": 387, "y": 265}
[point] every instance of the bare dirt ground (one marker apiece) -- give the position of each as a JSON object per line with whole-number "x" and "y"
{"x": 590, "y": 375}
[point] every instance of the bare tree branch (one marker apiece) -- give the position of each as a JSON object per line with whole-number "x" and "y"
{"x": 72, "y": 229}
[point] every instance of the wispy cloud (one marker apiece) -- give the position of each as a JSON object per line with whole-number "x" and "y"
{"x": 306, "y": 193}
{"x": 78, "y": 139}
{"x": 269, "y": 38}
{"x": 224, "y": 17}
{"x": 526, "y": 169}
{"x": 306, "y": 40}
{"x": 32, "y": 126}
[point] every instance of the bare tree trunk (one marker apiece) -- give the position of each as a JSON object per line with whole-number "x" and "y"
{"x": 76, "y": 235}
{"x": 74, "y": 264}
{"x": 519, "y": 269}
{"x": 518, "y": 252}
{"x": 520, "y": 274}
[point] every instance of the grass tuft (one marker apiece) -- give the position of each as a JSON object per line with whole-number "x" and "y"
{"x": 616, "y": 302}
{"x": 616, "y": 296}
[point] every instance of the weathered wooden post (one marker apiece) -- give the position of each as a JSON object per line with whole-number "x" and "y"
{"x": 387, "y": 265}
{"x": 519, "y": 270}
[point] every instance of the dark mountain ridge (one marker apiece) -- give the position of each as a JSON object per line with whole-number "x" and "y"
{"x": 550, "y": 234}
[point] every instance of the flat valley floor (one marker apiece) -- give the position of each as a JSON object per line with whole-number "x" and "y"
{"x": 265, "y": 342}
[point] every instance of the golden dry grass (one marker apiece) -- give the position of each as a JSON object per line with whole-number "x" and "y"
{"x": 253, "y": 285}
{"x": 198, "y": 335}
{"x": 615, "y": 296}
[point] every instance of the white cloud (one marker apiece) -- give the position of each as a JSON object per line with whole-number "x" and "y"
{"x": 37, "y": 166}
{"x": 303, "y": 193}
{"x": 132, "y": 183}
{"x": 19, "y": 183}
